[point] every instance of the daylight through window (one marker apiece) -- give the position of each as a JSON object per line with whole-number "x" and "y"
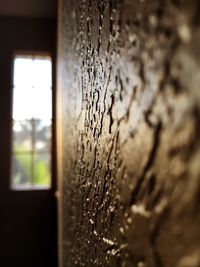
{"x": 32, "y": 122}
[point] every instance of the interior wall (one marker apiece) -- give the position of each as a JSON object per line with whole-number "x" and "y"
{"x": 28, "y": 219}
{"x": 128, "y": 85}
{"x": 28, "y": 8}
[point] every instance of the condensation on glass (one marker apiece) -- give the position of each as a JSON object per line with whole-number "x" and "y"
{"x": 32, "y": 122}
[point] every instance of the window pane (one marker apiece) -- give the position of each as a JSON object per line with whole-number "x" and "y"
{"x": 22, "y": 136}
{"x": 32, "y": 70}
{"x": 42, "y": 68}
{"x": 42, "y": 136}
{"x": 31, "y": 103}
{"x": 42, "y": 169}
{"x": 42, "y": 104}
{"x": 23, "y": 105}
{"x": 21, "y": 169}
{"x": 23, "y": 71}
{"x": 32, "y": 122}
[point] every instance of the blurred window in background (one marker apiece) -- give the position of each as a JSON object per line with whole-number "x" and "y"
{"x": 32, "y": 122}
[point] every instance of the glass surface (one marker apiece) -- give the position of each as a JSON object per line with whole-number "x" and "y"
{"x": 31, "y": 103}
{"x": 32, "y": 96}
{"x": 32, "y": 70}
{"x": 23, "y": 71}
{"x": 42, "y": 174}
{"x": 21, "y": 169}
{"x": 22, "y": 136}
{"x": 42, "y": 136}
{"x": 32, "y": 122}
{"x": 42, "y": 73}
{"x": 23, "y": 105}
{"x": 42, "y": 104}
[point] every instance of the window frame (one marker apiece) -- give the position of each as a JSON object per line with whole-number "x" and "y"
{"x": 52, "y": 149}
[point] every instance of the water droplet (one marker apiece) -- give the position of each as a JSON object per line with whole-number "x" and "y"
{"x": 184, "y": 33}
{"x": 121, "y": 229}
{"x": 129, "y": 220}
